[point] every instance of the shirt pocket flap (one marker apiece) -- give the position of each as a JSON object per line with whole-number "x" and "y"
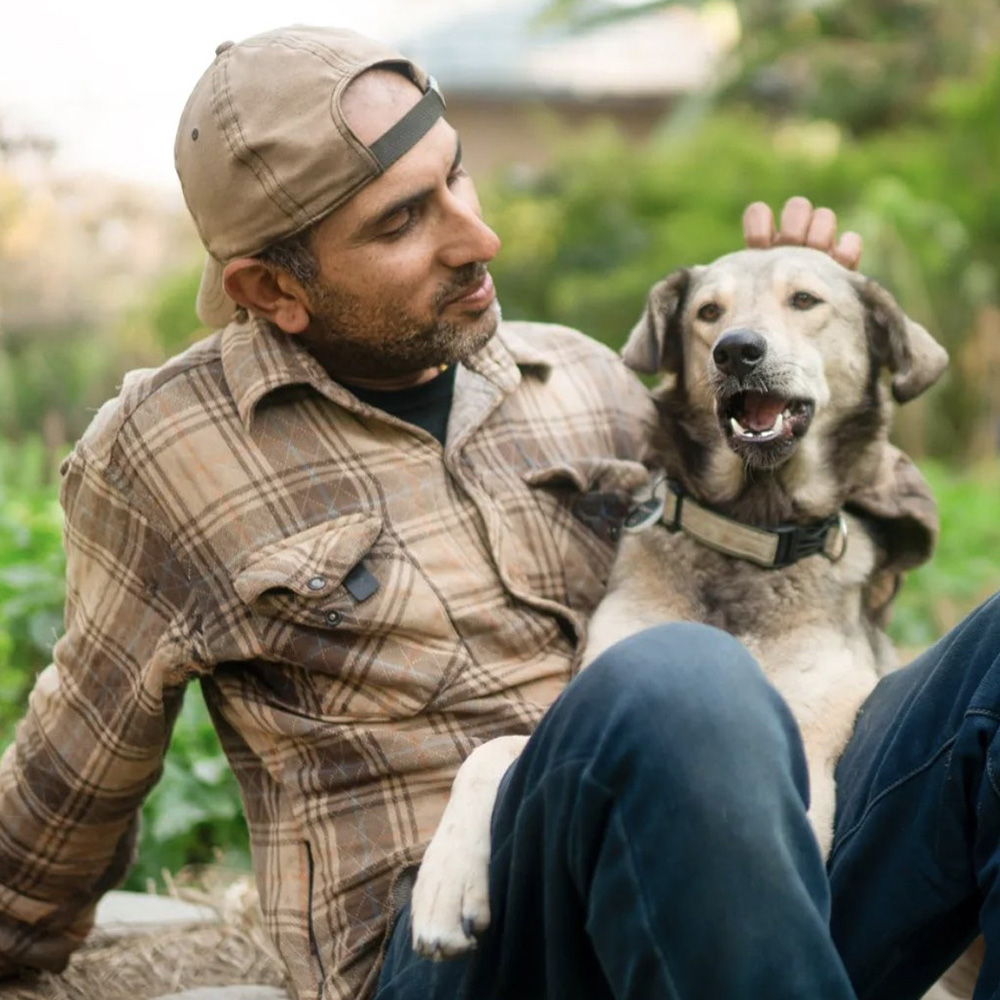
{"x": 311, "y": 562}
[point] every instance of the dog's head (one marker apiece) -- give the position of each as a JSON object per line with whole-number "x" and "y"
{"x": 775, "y": 362}
{"x": 780, "y": 344}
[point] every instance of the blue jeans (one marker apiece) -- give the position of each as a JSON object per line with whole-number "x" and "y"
{"x": 652, "y": 840}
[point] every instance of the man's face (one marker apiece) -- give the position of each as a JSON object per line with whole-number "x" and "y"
{"x": 403, "y": 285}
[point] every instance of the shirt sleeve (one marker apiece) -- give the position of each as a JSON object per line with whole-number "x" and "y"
{"x": 97, "y": 725}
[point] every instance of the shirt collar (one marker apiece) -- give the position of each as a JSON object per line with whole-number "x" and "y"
{"x": 257, "y": 360}
{"x": 524, "y": 349}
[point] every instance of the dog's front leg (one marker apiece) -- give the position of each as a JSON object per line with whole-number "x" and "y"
{"x": 451, "y": 902}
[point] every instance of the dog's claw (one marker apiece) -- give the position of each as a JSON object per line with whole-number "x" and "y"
{"x": 441, "y": 949}
{"x": 469, "y": 928}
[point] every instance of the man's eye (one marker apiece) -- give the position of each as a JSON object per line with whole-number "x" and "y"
{"x": 456, "y": 175}
{"x": 710, "y": 312}
{"x": 398, "y": 223}
{"x": 804, "y": 300}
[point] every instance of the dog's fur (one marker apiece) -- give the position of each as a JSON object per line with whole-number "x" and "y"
{"x": 821, "y": 338}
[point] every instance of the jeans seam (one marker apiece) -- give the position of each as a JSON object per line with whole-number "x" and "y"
{"x": 984, "y": 712}
{"x": 839, "y": 842}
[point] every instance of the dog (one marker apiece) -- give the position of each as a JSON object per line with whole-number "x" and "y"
{"x": 782, "y": 515}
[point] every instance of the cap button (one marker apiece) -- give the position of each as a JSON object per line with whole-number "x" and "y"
{"x": 222, "y": 46}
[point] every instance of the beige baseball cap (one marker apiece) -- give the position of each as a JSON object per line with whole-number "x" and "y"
{"x": 263, "y": 151}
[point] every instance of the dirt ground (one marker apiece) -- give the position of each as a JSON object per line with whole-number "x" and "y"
{"x": 154, "y": 962}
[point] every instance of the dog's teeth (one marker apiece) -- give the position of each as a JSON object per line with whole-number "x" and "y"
{"x": 736, "y": 426}
{"x": 778, "y": 424}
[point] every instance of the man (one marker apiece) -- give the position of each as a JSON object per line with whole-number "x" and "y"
{"x": 372, "y": 520}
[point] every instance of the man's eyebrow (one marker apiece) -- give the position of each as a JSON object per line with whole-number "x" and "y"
{"x": 409, "y": 200}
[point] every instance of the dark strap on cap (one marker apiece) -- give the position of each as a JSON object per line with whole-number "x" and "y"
{"x": 410, "y": 129}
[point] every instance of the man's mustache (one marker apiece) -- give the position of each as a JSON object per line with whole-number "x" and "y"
{"x": 466, "y": 278}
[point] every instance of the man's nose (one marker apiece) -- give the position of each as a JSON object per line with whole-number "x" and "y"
{"x": 467, "y": 237}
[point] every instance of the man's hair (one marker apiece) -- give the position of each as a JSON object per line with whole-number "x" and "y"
{"x": 294, "y": 254}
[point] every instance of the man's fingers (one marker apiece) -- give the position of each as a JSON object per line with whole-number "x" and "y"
{"x": 822, "y": 230}
{"x": 848, "y": 250}
{"x": 801, "y": 225}
{"x": 758, "y": 225}
{"x": 795, "y": 219}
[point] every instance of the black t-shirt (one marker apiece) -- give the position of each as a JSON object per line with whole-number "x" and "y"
{"x": 427, "y": 405}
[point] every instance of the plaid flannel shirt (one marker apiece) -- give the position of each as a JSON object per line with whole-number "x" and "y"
{"x": 361, "y": 606}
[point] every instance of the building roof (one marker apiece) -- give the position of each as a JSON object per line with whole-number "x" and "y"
{"x": 505, "y": 49}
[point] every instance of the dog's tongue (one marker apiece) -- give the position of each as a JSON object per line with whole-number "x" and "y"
{"x": 760, "y": 411}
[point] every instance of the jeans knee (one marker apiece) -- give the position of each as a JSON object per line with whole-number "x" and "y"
{"x": 682, "y": 712}
{"x": 680, "y": 685}
{"x": 684, "y": 672}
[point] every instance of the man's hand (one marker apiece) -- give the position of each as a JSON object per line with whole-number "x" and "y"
{"x": 801, "y": 225}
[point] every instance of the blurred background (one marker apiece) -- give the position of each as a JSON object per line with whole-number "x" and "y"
{"x": 611, "y": 142}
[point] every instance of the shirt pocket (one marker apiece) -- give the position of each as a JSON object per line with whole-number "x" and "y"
{"x": 583, "y": 504}
{"x": 357, "y": 629}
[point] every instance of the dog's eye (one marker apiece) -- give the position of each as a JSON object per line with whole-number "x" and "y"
{"x": 710, "y": 312}
{"x": 804, "y": 300}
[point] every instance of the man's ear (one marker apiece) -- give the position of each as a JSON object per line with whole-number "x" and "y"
{"x": 914, "y": 357}
{"x": 267, "y": 292}
{"x": 654, "y": 345}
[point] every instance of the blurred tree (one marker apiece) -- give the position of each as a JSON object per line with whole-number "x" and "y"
{"x": 76, "y": 255}
{"x": 865, "y": 64}
{"x": 170, "y": 310}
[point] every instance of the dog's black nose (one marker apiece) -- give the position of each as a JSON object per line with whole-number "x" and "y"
{"x": 738, "y": 352}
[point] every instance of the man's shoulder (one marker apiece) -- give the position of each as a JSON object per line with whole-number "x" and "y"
{"x": 553, "y": 342}
{"x": 144, "y": 388}
{"x": 577, "y": 358}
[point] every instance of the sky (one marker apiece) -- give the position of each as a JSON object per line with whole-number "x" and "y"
{"x": 107, "y": 80}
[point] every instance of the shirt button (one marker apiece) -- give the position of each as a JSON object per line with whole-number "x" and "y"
{"x": 334, "y": 617}
{"x": 317, "y": 583}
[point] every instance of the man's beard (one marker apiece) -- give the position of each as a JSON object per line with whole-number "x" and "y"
{"x": 362, "y": 340}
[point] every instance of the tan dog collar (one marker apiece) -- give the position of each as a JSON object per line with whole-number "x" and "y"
{"x": 771, "y": 548}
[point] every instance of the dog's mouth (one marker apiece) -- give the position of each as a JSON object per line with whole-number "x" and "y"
{"x": 760, "y": 421}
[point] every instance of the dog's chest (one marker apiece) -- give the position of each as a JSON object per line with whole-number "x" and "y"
{"x": 793, "y": 615}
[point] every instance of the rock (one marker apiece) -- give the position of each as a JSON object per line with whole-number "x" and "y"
{"x": 228, "y": 993}
{"x": 122, "y": 913}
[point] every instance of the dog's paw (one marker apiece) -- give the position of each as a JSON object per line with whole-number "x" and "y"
{"x": 450, "y": 904}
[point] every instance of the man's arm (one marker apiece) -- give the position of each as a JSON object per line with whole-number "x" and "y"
{"x": 98, "y": 722}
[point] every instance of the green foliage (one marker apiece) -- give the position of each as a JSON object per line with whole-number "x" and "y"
{"x": 171, "y": 312}
{"x": 965, "y": 569}
{"x": 869, "y": 65}
{"x": 31, "y": 574}
{"x": 59, "y": 376}
{"x": 194, "y": 814}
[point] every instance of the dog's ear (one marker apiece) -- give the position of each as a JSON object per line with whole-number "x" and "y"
{"x": 899, "y": 509}
{"x": 654, "y": 345}
{"x": 914, "y": 357}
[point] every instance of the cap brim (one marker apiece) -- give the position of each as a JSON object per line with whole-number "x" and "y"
{"x": 215, "y": 309}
